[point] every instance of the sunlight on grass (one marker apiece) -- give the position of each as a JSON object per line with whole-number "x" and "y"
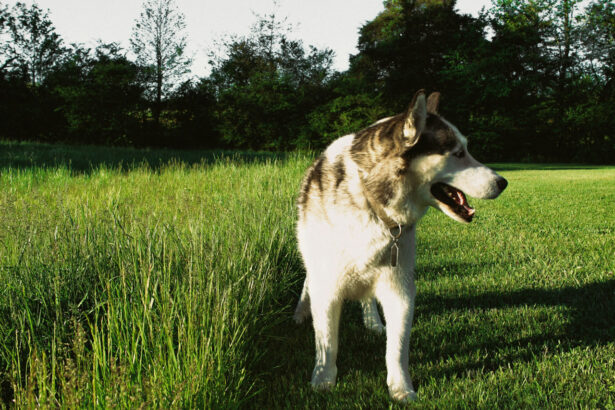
{"x": 172, "y": 284}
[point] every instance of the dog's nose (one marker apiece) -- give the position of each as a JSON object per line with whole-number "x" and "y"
{"x": 502, "y": 183}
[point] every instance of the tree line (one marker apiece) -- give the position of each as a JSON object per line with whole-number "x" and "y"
{"x": 526, "y": 80}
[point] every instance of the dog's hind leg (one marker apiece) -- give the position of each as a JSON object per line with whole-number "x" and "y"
{"x": 303, "y": 307}
{"x": 326, "y": 318}
{"x": 371, "y": 318}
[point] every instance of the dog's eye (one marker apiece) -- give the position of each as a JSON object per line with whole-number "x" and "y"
{"x": 460, "y": 154}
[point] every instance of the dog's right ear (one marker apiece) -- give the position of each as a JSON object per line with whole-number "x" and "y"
{"x": 414, "y": 123}
{"x": 432, "y": 102}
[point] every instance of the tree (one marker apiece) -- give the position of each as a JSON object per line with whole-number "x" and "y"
{"x": 539, "y": 45}
{"x": 598, "y": 37}
{"x": 350, "y": 107}
{"x": 159, "y": 44}
{"x": 266, "y": 85}
{"x": 405, "y": 47}
{"x": 29, "y": 49}
{"x": 192, "y": 107}
{"x": 593, "y": 114}
{"x": 35, "y": 46}
{"x": 98, "y": 95}
{"x": 5, "y": 18}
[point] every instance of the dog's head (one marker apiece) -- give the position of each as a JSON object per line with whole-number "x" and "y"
{"x": 439, "y": 165}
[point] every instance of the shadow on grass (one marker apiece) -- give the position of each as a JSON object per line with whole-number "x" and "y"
{"x": 544, "y": 167}
{"x": 590, "y": 321}
{"x": 83, "y": 159}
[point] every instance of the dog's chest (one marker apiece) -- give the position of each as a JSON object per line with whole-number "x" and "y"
{"x": 370, "y": 262}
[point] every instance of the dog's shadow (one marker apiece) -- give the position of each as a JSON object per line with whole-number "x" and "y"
{"x": 585, "y": 317}
{"x": 574, "y": 316}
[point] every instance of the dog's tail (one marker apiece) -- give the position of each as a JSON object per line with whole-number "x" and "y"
{"x": 303, "y": 309}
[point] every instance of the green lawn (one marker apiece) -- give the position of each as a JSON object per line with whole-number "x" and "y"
{"x": 169, "y": 278}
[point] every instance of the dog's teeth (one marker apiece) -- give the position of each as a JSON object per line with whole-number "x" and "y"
{"x": 460, "y": 198}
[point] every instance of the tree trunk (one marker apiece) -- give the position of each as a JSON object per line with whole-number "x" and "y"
{"x": 158, "y": 102}
{"x": 564, "y": 65}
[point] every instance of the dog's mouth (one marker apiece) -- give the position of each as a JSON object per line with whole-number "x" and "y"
{"x": 454, "y": 199}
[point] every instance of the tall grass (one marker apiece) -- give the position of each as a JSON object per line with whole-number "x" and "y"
{"x": 142, "y": 286}
{"x": 170, "y": 283}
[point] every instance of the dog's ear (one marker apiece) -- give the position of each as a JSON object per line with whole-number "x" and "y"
{"x": 414, "y": 123}
{"x": 432, "y": 102}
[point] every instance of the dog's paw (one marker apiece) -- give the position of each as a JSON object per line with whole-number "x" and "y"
{"x": 402, "y": 391}
{"x": 323, "y": 386}
{"x": 403, "y": 395}
{"x": 323, "y": 379}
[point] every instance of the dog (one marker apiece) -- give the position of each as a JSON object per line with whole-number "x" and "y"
{"x": 358, "y": 208}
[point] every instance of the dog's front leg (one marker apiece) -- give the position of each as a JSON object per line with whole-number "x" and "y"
{"x": 326, "y": 317}
{"x": 397, "y": 300}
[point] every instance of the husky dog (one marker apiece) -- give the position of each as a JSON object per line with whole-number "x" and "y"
{"x": 358, "y": 208}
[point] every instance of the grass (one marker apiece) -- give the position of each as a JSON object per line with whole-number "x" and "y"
{"x": 168, "y": 279}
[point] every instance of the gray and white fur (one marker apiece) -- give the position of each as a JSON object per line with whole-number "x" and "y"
{"x": 393, "y": 170}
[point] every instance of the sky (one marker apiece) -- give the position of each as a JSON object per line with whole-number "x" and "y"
{"x": 323, "y": 23}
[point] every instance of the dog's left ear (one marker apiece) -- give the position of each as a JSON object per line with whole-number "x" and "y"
{"x": 416, "y": 116}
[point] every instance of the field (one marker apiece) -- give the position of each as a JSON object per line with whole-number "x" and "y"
{"x": 168, "y": 279}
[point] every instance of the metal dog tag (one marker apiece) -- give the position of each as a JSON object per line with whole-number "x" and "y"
{"x": 394, "y": 254}
{"x": 395, "y": 247}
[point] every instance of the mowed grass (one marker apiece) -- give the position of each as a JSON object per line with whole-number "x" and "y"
{"x": 169, "y": 279}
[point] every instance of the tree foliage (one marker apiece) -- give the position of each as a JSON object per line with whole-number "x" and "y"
{"x": 408, "y": 44}
{"x": 266, "y": 85}
{"x": 515, "y": 78}
{"x": 526, "y": 80}
{"x": 99, "y": 95}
